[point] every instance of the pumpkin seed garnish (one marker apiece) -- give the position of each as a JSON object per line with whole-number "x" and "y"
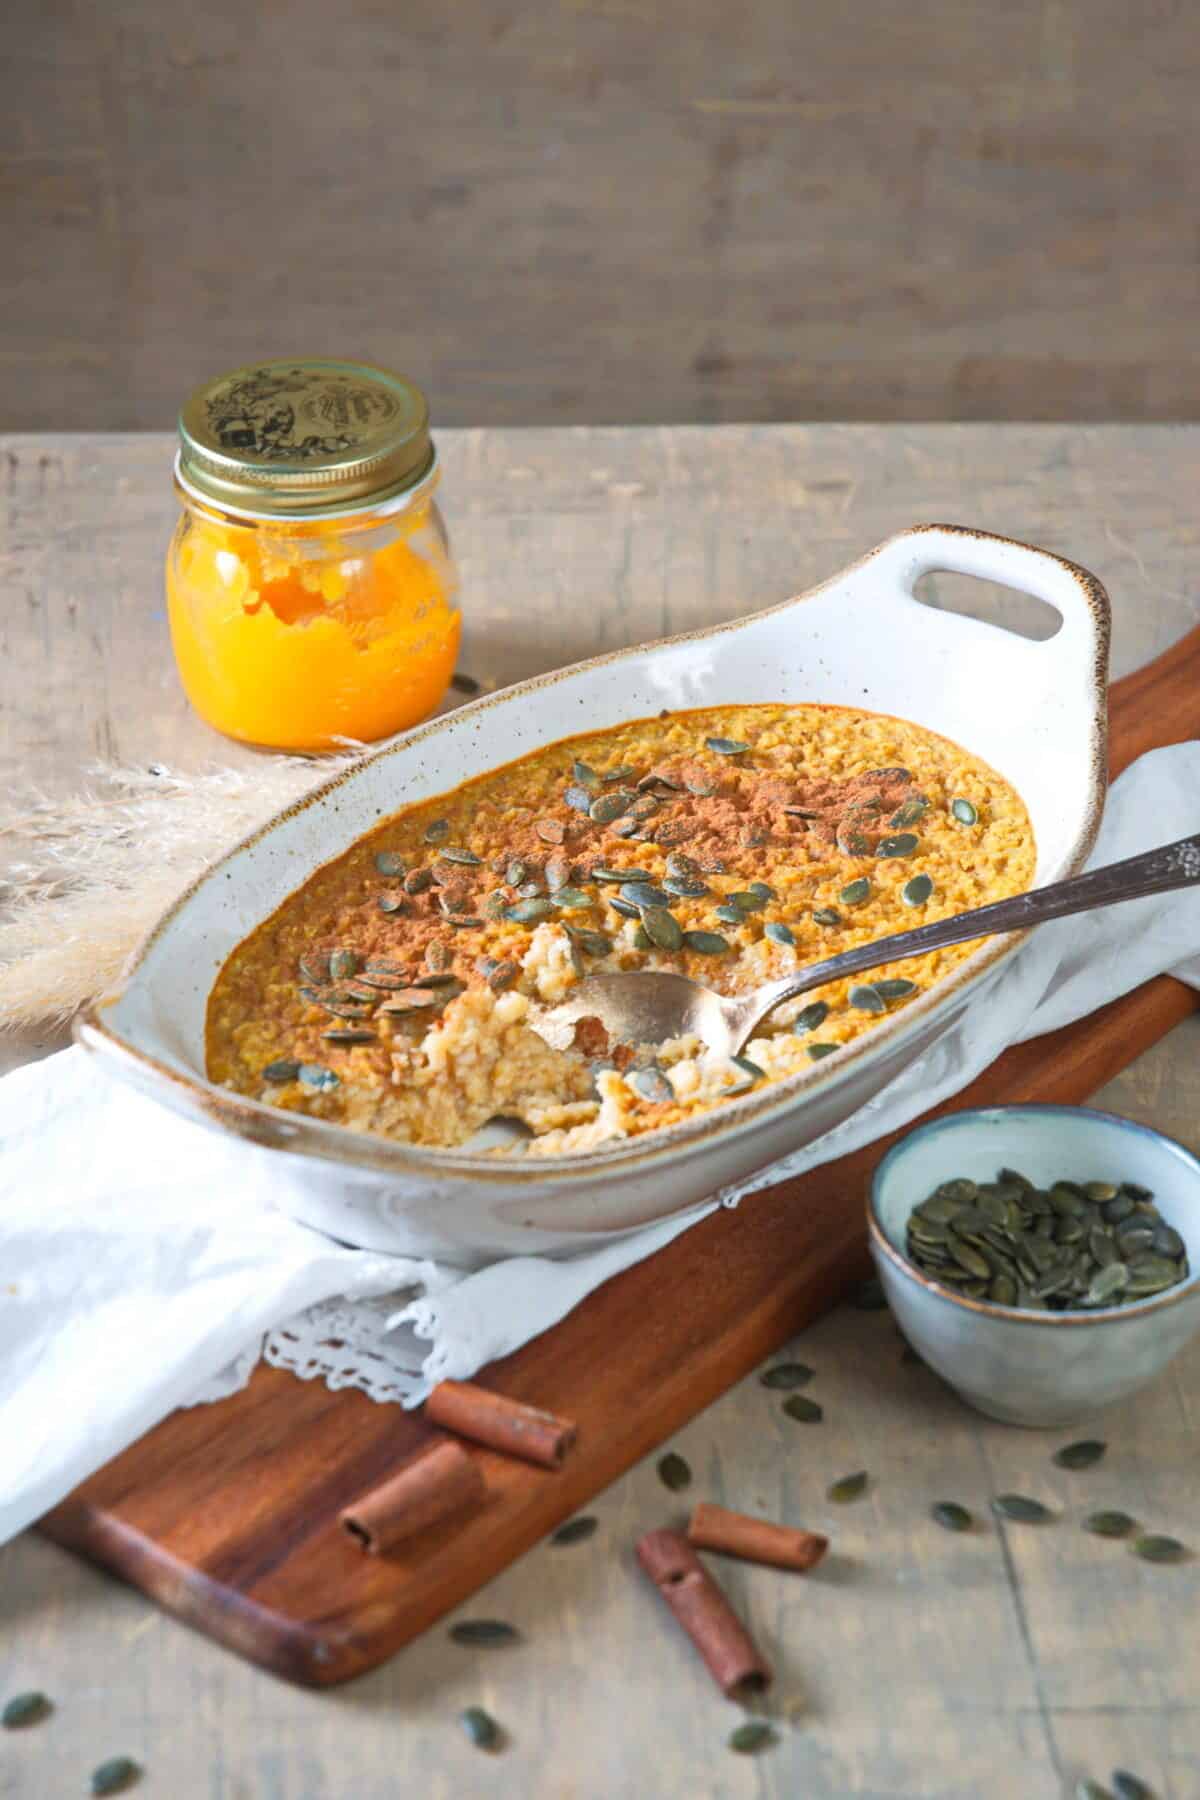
{"x": 454, "y": 853}
{"x": 811, "y": 1016}
{"x": 917, "y": 891}
{"x": 852, "y": 842}
{"x": 348, "y": 1034}
{"x": 572, "y": 899}
{"x": 387, "y": 862}
{"x": 825, "y": 915}
{"x": 315, "y": 967}
{"x": 673, "y": 1472}
{"x": 855, "y": 892}
{"x": 1155, "y": 1548}
{"x": 951, "y": 1516}
{"x": 392, "y": 903}
{"x": 24, "y": 1709}
{"x": 903, "y": 844}
{"x": 747, "y": 901}
{"x": 964, "y": 812}
{"x": 1020, "y": 1509}
{"x": 644, "y": 893}
{"x": 686, "y": 887}
{"x": 438, "y": 955}
{"x": 817, "y": 1051}
{"x": 551, "y": 831}
{"x": 1082, "y": 1455}
{"x": 575, "y": 1530}
{"x": 578, "y": 799}
{"x": 608, "y": 807}
{"x": 705, "y": 943}
{"x": 800, "y": 812}
{"x": 754, "y": 1735}
{"x": 585, "y": 775}
{"x": 850, "y": 1487}
{"x": 343, "y": 964}
{"x": 316, "y": 1075}
{"x": 502, "y": 976}
{"x": 867, "y": 998}
{"x": 437, "y": 831}
{"x": 1109, "y": 1524}
{"x": 662, "y": 928}
{"x": 626, "y": 908}
{"x": 751, "y": 1075}
{"x": 1129, "y": 1787}
{"x": 594, "y": 943}
{"x": 786, "y": 1375}
{"x": 115, "y": 1775}
{"x": 728, "y": 915}
{"x": 528, "y": 912}
{"x": 652, "y": 1085}
{"x": 480, "y": 1727}
{"x": 410, "y": 1000}
{"x": 619, "y": 877}
{"x": 1091, "y": 1790}
{"x": 803, "y": 1410}
{"x": 418, "y": 881}
{"x": 778, "y": 932}
{"x": 484, "y": 1634}
{"x": 283, "y": 1070}
{"x": 910, "y": 812}
{"x": 726, "y": 746}
{"x": 623, "y": 772}
{"x": 684, "y": 868}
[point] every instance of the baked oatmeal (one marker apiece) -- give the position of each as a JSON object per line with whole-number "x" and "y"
{"x": 396, "y": 991}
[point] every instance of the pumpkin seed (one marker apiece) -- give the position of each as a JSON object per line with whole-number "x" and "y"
{"x": 895, "y": 987}
{"x": 283, "y": 1070}
{"x": 817, "y": 1051}
{"x": 964, "y": 812}
{"x": 825, "y": 915}
{"x": 1091, "y": 1790}
{"x": 803, "y": 1410}
{"x": 917, "y": 891}
{"x": 528, "y": 912}
{"x": 652, "y": 1085}
{"x": 673, "y": 1472}
{"x": 903, "y": 844}
{"x": 454, "y": 853}
{"x": 662, "y": 928}
{"x": 316, "y": 1075}
{"x": 348, "y": 1034}
{"x": 623, "y": 772}
{"x": 856, "y": 892}
{"x": 619, "y": 877}
{"x": 480, "y": 1727}
{"x": 578, "y": 799}
{"x": 778, "y": 933}
{"x": 747, "y": 901}
{"x": 551, "y": 831}
{"x": 626, "y": 908}
{"x": 1129, "y": 1787}
{"x": 438, "y": 955}
{"x": 753, "y": 1736}
{"x": 502, "y": 976}
{"x": 572, "y": 899}
{"x": 850, "y": 1487}
{"x": 388, "y": 862}
{"x": 587, "y": 776}
{"x": 644, "y": 893}
{"x": 644, "y": 808}
{"x": 575, "y": 1531}
{"x": 1109, "y": 1524}
{"x": 24, "y": 1709}
{"x": 608, "y": 807}
{"x": 1167, "y": 1242}
{"x": 786, "y": 1375}
{"x": 686, "y": 887}
{"x": 910, "y": 812}
{"x": 751, "y": 1073}
{"x": 1020, "y": 1509}
{"x": 465, "y": 684}
{"x": 418, "y": 881}
{"x": 1107, "y": 1283}
{"x": 867, "y": 998}
{"x": 852, "y": 842}
{"x": 686, "y": 868}
{"x": 721, "y": 746}
{"x": 593, "y": 943}
{"x": 728, "y": 915}
{"x": 484, "y": 1634}
{"x": 705, "y": 943}
{"x": 811, "y": 1016}
{"x": 115, "y": 1775}
{"x": 951, "y": 1516}
{"x": 1155, "y": 1548}
{"x": 437, "y": 831}
{"x": 1082, "y": 1455}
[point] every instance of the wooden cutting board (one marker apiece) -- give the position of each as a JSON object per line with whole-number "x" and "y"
{"x": 227, "y": 1514}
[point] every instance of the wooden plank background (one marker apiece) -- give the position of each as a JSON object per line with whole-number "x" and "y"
{"x": 589, "y": 211}
{"x": 916, "y": 1666}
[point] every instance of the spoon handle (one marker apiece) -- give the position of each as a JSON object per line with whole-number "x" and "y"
{"x": 1153, "y": 872}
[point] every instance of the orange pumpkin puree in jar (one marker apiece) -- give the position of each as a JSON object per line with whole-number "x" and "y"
{"x": 311, "y": 591}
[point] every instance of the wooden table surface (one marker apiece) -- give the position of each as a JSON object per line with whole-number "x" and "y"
{"x": 916, "y": 1663}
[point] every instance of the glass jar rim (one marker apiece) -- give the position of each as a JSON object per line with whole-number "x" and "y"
{"x": 383, "y": 504}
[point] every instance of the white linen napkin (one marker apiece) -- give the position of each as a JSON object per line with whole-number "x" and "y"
{"x": 141, "y": 1256}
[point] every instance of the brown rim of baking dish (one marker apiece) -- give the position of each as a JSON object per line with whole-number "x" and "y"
{"x": 275, "y": 1128}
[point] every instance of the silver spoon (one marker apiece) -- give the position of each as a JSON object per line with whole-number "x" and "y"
{"x": 647, "y": 1006}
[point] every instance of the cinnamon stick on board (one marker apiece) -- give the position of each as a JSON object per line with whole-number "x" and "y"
{"x": 438, "y": 1482}
{"x": 502, "y": 1424}
{"x": 756, "y": 1540}
{"x": 733, "y": 1659}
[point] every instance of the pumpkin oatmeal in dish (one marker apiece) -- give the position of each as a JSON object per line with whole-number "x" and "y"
{"x": 397, "y": 990}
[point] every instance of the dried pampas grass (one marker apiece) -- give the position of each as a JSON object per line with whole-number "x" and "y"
{"x": 98, "y": 869}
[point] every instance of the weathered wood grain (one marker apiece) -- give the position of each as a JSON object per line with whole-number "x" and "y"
{"x": 623, "y": 210}
{"x": 912, "y": 1670}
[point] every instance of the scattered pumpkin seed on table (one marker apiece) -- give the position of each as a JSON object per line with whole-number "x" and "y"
{"x": 951, "y": 1516}
{"x": 850, "y": 1487}
{"x": 24, "y": 1709}
{"x": 484, "y": 1634}
{"x": 1153, "y": 1547}
{"x": 115, "y": 1775}
{"x": 1021, "y": 1510}
{"x": 751, "y": 1737}
{"x": 1111, "y": 1524}
{"x": 674, "y": 1472}
{"x": 575, "y": 1531}
{"x": 786, "y": 1375}
{"x": 1082, "y": 1455}
{"x": 1127, "y": 1786}
{"x": 803, "y": 1410}
{"x": 480, "y": 1727}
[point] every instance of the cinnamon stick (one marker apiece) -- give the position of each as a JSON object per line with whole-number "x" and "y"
{"x": 756, "y": 1540}
{"x": 733, "y": 1659}
{"x": 502, "y": 1424}
{"x": 438, "y": 1482}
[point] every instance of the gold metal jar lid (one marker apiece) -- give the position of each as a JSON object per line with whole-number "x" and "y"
{"x": 277, "y": 439}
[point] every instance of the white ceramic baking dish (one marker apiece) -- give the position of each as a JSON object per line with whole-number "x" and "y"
{"x": 1035, "y": 710}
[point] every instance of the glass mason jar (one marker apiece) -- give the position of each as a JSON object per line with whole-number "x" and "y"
{"x": 311, "y": 592}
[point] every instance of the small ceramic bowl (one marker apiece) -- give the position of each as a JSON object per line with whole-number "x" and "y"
{"x": 1036, "y": 1368}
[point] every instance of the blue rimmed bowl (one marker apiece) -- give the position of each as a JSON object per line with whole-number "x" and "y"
{"x": 1036, "y": 1368}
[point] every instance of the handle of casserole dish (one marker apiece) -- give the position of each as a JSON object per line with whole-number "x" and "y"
{"x": 1076, "y": 596}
